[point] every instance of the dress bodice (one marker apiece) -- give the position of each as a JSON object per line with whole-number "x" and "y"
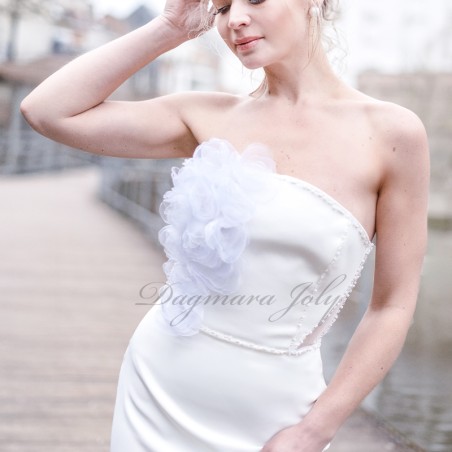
{"x": 255, "y": 258}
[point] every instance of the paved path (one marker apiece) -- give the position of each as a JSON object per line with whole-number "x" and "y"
{"x": 70, "y": 274}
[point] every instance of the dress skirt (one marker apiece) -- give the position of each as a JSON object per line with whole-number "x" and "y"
{"x": 200, "y": 394}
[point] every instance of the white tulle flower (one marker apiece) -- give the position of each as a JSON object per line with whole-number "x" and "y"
{"x": 213, "y": 197}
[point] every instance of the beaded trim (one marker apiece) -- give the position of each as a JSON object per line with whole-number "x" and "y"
{"x": 299, "y": 337}
{"x": 332, "y": 318}
{"x": 332, "y": 202}
{"x": 257, "y": 347}
{"x": 332, "y": 315}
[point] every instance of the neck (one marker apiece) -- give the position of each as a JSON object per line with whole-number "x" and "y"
{"x": 302, "y": 80}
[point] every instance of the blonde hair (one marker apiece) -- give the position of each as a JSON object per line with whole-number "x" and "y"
{"x": 330, "y": 9}
{"x": 330, "y": 12}
{"x": 204, "y": 18}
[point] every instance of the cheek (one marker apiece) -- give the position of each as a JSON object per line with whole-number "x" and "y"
{"x": 290, "y": 32}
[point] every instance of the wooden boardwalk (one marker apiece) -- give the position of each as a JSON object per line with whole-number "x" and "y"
{"x": 70, "y": 274}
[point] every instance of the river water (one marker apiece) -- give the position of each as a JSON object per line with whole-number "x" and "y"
{"x": 416, "y": 395}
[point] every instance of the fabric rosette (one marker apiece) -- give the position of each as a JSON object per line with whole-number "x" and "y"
{"x": 214, "y": 196}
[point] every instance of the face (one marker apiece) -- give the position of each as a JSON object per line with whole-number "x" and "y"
{"x": 263, "y": 32}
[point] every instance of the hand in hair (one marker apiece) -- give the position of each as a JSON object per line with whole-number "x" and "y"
{"x": 191, "y": 17}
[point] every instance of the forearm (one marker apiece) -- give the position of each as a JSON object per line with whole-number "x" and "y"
{"x": 91, "y": 78}
{"x": 372, "y": 351}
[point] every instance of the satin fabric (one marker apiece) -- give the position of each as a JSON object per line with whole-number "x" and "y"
{"x": 251, "y": 368}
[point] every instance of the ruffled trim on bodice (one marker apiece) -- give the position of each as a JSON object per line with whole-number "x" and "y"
{"x": 214, "y": 196}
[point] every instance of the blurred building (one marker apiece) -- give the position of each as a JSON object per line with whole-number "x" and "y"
{"x": 191, "y": 66}
{"x": 32, "y": 29}
{"x": 36, "y": 38}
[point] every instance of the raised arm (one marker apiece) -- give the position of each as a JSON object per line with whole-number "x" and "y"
{"x": 71, "y": 107}
{"x": 401, "y": 227}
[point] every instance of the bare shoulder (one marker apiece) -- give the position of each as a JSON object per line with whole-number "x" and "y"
{"x": 401, "y": 142}
{"x": 398, "y": 125}
{"x": 405, "y": 146}
{"x": 396, "y": 128}
{"x": 398, "y": 135}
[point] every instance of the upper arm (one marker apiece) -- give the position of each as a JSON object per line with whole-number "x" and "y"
{"x": 152, "y": 128}
{"x": 401, "y": 213}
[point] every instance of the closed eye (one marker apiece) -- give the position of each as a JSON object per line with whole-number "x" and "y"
{"x": 222, "y": 10}
{"x": 225, "y": 9}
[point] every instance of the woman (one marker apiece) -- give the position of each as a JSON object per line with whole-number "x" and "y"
{"x": 286, "y": 222}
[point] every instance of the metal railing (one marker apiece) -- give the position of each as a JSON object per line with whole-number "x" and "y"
{"x": 135, "y": 187}
{"x": 28, "y": 151}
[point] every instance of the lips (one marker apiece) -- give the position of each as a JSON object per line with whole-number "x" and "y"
{"x": 246, "y": 40}
{"x": 246, "y": 43}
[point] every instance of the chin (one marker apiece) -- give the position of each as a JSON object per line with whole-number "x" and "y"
{"x": 252, "y": 63}
{"x": 253, "y": 66}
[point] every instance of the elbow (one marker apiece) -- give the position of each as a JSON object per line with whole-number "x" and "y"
{"x": 30, "y": 114}
{"x": 35, "y": 116}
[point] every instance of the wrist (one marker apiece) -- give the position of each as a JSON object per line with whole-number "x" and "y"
{"x": 174, "y": 33}
{"x": 316, "y": 432}
{"x": 161, "y": 36}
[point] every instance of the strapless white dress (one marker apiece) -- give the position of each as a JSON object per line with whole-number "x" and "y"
{"x": 259, "y": 266}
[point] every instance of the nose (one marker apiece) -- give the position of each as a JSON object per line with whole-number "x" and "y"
{"x": 238, "y": 16}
